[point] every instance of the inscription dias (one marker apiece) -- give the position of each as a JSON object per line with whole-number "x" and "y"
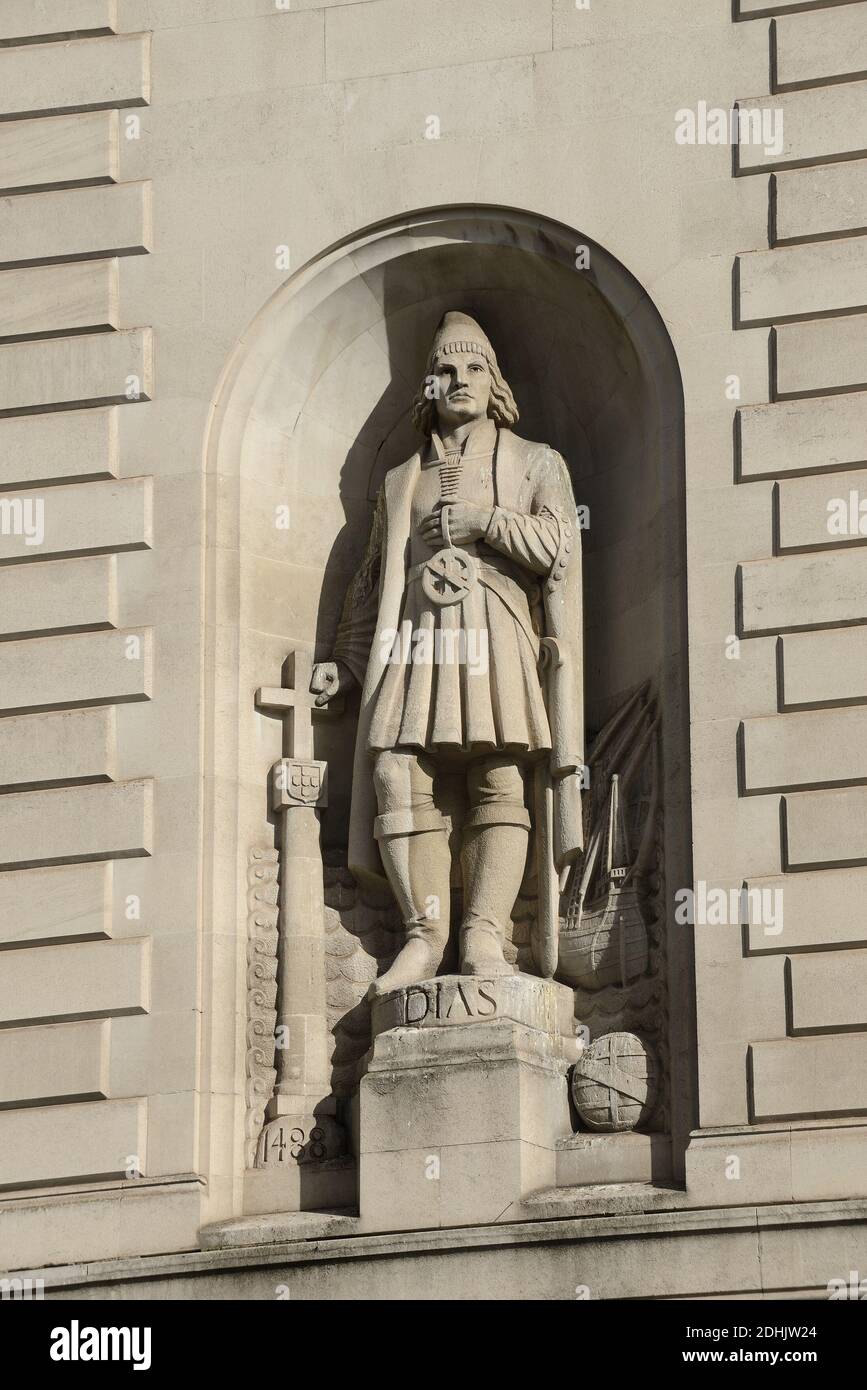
{"x": 449, "y": 1001}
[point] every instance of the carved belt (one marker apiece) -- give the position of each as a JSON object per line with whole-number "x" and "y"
{"x": 446, "y": 580}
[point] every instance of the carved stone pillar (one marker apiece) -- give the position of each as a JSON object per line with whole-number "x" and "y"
{"x": 302, "y": 1108}
{"x": 295, "y": 1156}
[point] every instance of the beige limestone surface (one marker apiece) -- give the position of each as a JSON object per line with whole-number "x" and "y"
{"x": 220, "y": 263}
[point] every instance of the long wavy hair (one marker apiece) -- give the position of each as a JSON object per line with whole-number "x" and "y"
{"x": 502, "y": 408}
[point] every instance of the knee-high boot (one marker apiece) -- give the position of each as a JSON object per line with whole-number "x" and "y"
{"x": 418, "y": 867}
{"x": 493, "y": 859}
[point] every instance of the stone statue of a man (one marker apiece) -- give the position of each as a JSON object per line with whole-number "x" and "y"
{"x": 470, "y": 583}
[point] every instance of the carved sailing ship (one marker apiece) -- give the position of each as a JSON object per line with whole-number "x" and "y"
{"x": 603, "y": 934}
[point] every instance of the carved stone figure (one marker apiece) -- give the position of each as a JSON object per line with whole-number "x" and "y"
{"x": 463, "y": 628}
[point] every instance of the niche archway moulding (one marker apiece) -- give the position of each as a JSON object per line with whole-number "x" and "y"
{"x": 312, "y": 409}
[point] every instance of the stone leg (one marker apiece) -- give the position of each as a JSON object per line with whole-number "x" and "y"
{"x": 493, "y": 858}
{"x": 413, "y": 843}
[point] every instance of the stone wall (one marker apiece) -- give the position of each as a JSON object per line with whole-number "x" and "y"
{"x": 100, "y": 666}
{"x": 166, "y": 167}
{"x": 781, "y": 1076}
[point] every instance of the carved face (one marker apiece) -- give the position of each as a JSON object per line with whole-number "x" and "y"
{"x": 463, "y": 389}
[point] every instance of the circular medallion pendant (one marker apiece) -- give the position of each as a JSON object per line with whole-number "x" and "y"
{"x": 448, "y": 577}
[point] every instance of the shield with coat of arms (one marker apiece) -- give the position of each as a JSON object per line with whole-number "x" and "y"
{"x": 305, "y": 781}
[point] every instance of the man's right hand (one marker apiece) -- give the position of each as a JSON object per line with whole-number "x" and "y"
{"x": 330, "y": 678}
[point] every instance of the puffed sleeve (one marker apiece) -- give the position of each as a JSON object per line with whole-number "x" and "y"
{"x": 538, "y": 538}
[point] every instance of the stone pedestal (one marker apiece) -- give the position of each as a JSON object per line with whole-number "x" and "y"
{"x": 464, "y": 1100}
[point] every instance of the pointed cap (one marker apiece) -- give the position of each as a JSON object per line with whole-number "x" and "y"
{"x": 458, "y": 332}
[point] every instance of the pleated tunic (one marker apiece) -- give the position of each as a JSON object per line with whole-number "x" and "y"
{"x": 466, "y": 676}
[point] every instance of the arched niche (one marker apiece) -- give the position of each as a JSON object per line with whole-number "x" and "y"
{"x": 313, "y": 409}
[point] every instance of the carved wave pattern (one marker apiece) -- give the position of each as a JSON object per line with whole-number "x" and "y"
{"x": 362, "y": 936}
{"x": 262, "y": 871}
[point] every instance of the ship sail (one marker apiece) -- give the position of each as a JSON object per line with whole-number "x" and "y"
{"x": 603, "y": 936}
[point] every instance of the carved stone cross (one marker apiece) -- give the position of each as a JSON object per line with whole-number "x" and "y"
{"x": 298, "y": 780}
{"x": 302, "y": 1109}
{"x": 295, "y": 702}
